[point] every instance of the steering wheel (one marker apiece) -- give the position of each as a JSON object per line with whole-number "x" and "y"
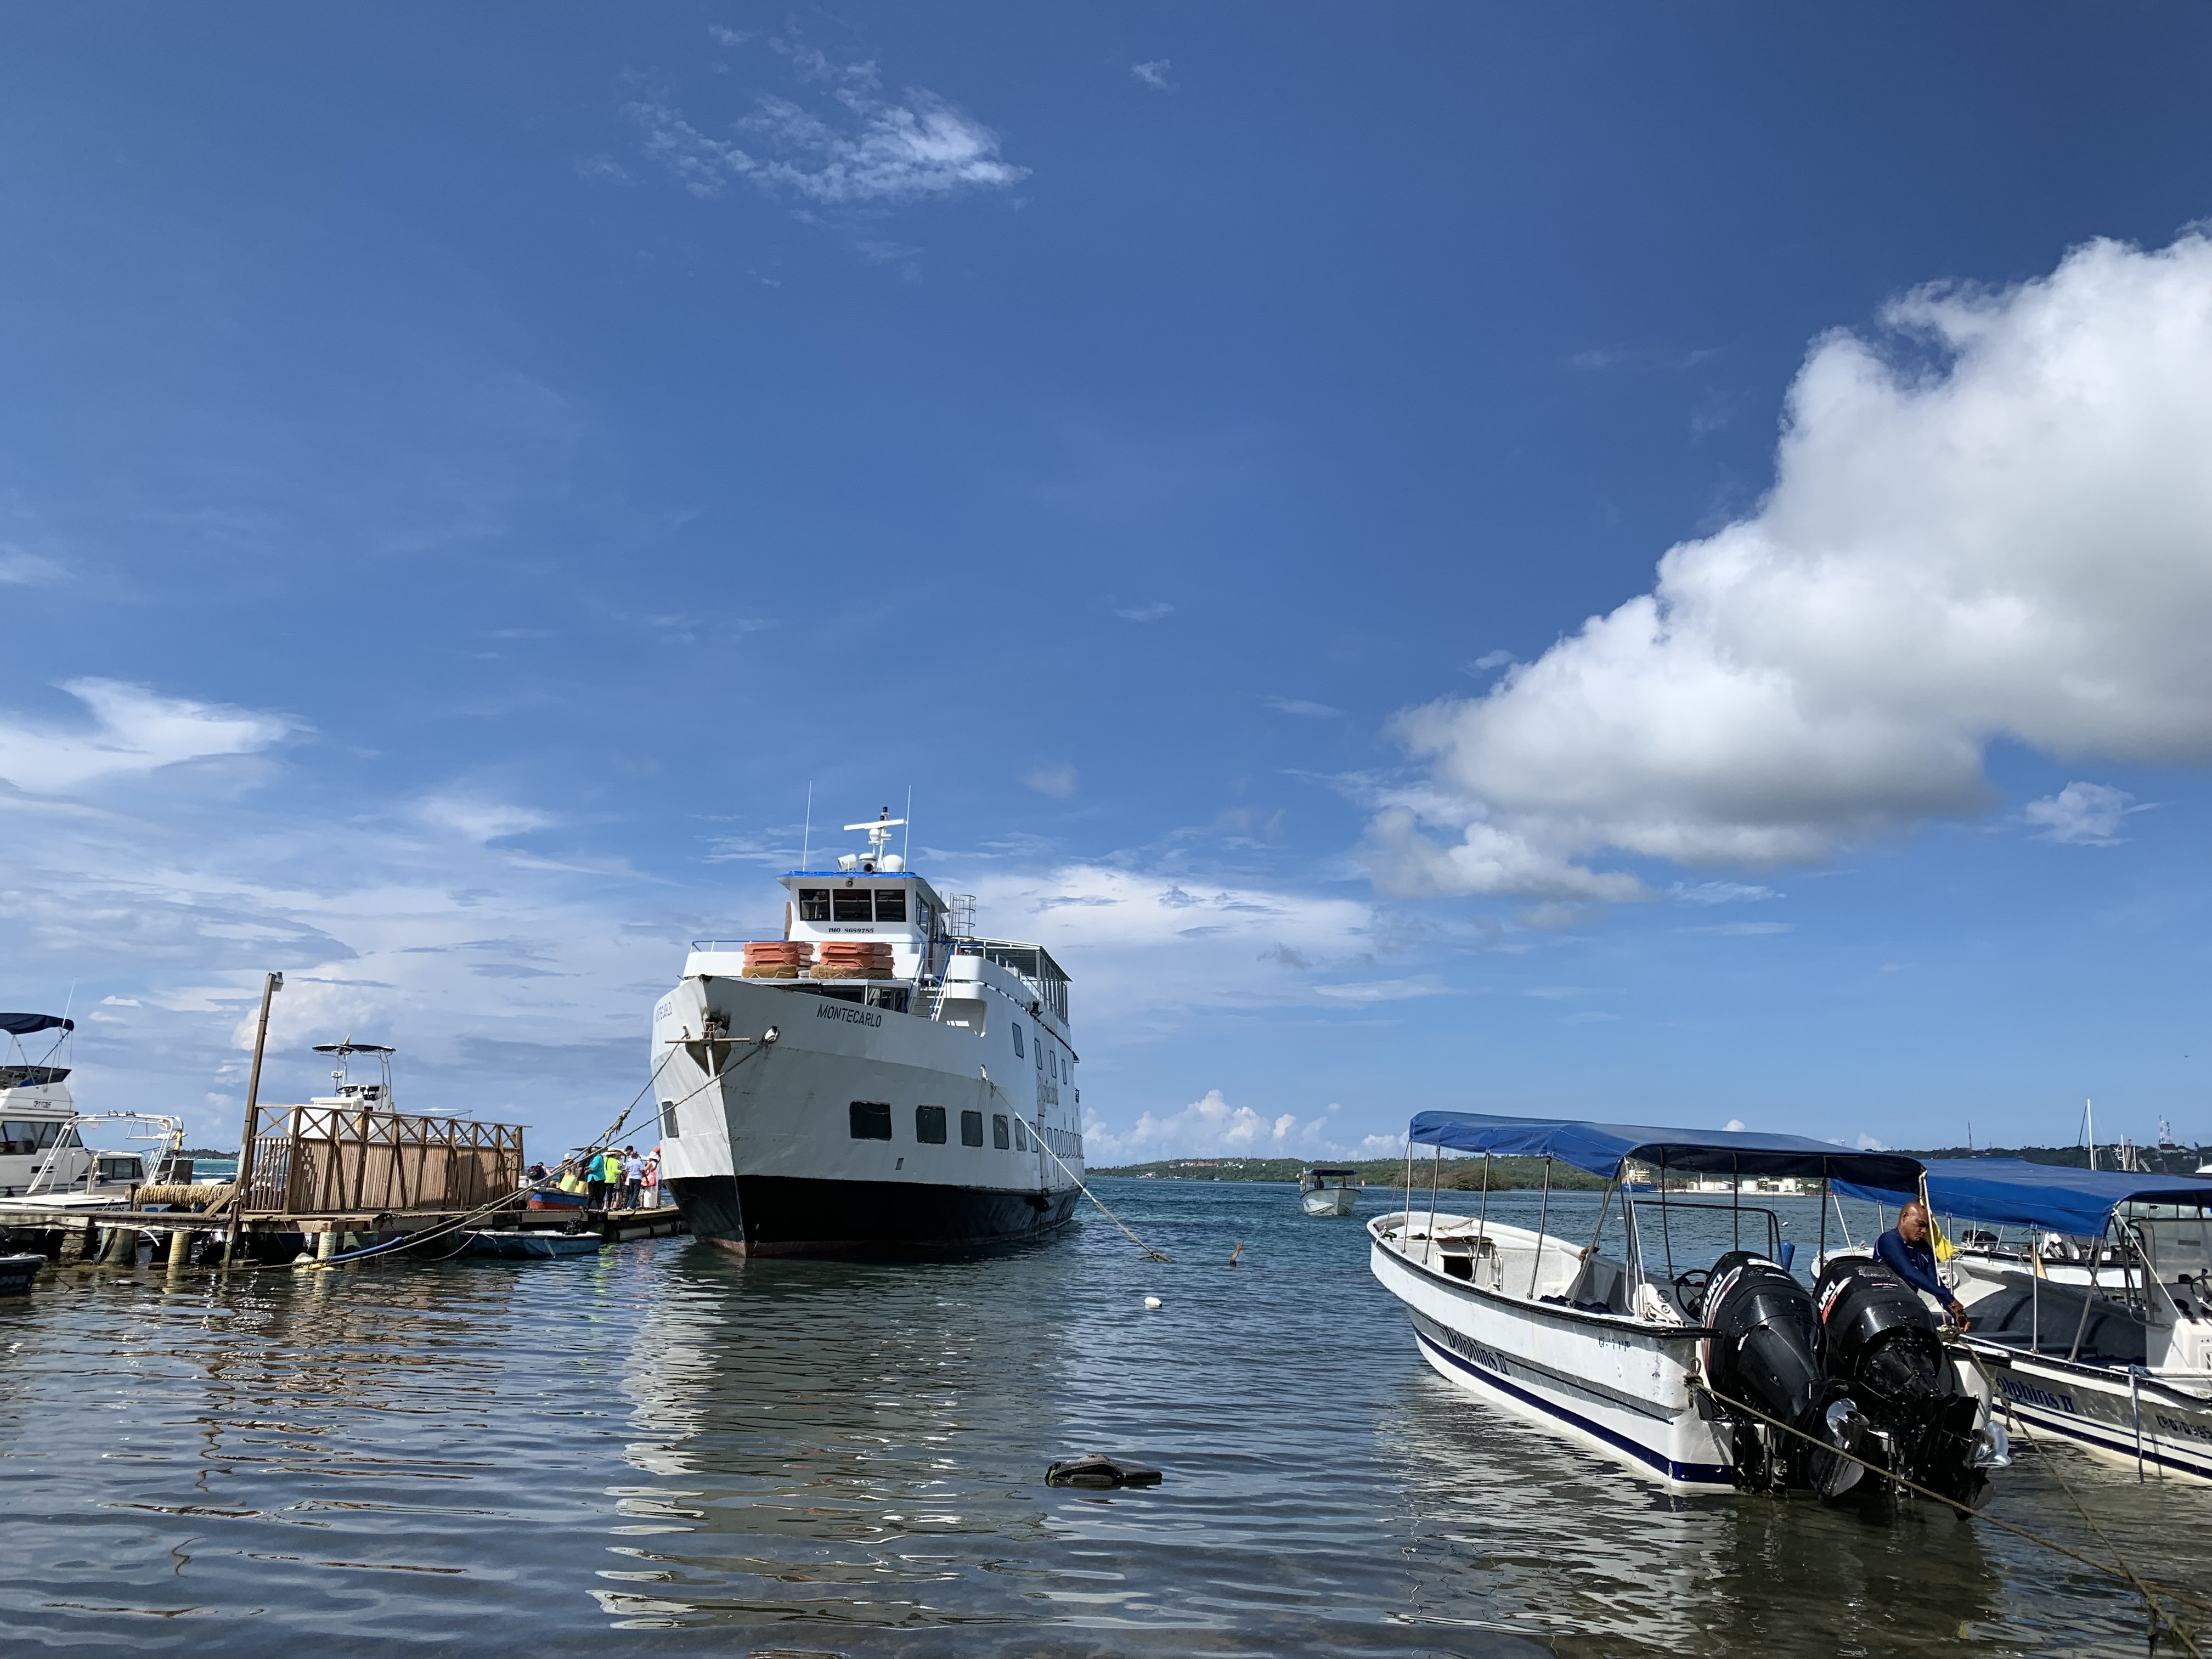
{"x": 1690, "y": 1290}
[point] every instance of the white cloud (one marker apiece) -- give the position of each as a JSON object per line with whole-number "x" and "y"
{"x": 1211, "y": 1127}
{"x": 1156, "y": 947}
{"x": 1058, "y": 782}
{"x": 478, "y": 819}
{"x": 22, "y": 570}
{"x": 851, "y": 146}
{"x": 2082, "y": 814}
{"x": 1147, "y": 613}
{"x": 1407, "y": 863}
{"x": 1488, "y": 660}
{"x": 1734, "y": 1125}
{"x": 1299, "y": 706}
{"x": 1154, "y": 73}
{"x": 2003, "y": 535}
{"x": 1719, "y": 892}
{"x": 134, "y": 731}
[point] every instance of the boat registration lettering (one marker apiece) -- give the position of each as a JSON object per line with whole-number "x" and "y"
{"x": 1468, "y": 1349}
{"x": 2182, "y": 1427}
{"x": 2027, "y": 1393}
{"x": 849, "y": 1014}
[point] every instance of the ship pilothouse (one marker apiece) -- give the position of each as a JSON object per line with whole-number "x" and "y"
{"x": 880, "y": 1076}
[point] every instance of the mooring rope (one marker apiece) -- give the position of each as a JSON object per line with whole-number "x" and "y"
{"x": 2121, "y": 1570}
{"x": 2019, "y": 1425}
{"x": 1078, "y": 1180}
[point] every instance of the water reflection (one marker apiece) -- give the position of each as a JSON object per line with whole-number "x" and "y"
{"x": 662, "y": 1448}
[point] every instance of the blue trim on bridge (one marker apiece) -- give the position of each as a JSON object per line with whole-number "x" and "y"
{"x": 1697, "y": 1473}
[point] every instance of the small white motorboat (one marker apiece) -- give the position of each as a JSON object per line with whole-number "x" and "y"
{"x": 1707, "y": 1376}
{"x": 2097, "y": 1325}
{"x": 1328, "y": 1192}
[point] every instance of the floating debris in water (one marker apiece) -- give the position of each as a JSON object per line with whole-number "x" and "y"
{"x": 1095, "y": 1469}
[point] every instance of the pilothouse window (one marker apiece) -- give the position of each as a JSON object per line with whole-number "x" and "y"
{"x": 18, "y": 1139}
{"x": 850, "y": 904}
{"x": 891, "y": 904}
{"x": 814, "y": 904}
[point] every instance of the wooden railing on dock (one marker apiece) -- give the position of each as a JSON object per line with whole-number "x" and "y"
{"x": 321, "y": 1160}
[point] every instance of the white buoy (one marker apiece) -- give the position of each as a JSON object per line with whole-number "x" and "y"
{"x": 1151, "y": 1302}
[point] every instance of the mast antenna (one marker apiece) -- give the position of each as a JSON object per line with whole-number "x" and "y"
{"x": 906, "y": 847}
{"x": 807, "y": 836}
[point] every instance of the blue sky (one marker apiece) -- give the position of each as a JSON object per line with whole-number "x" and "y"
{"x": 466, "y": 474}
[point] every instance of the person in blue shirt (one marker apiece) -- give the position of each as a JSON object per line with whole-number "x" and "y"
{"x": 1904, "y": 1250}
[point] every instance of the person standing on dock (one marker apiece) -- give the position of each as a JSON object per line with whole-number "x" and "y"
{"x": 649, "y": 1182}
{"x": 595, "y": 1179}
{"x": 633, "y": 1177}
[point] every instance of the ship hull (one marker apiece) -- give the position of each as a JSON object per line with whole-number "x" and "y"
{"x": 786, "y": 1215}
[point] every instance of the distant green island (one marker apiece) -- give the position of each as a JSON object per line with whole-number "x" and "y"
{"x": 1457, "y": 1175}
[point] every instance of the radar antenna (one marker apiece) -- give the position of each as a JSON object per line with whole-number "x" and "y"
{"x": 879, "y": 837}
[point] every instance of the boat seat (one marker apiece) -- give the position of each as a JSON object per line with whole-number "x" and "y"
{"x": 1600, "y": 1287}
{"x": 2111, "y": 1332}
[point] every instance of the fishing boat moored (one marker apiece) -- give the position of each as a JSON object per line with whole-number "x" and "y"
{"x": 1703, "y": 1376}
{"x": 2096, "y": 1324}
{"x": 1328, "y": 1192}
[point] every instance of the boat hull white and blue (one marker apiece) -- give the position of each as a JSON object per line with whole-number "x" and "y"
{"x": 1620, "y": 1386}
{"x": 1731, "y": 1375}
{"x": 2097, "y": 1325}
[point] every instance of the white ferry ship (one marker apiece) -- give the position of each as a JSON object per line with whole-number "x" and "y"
{"x": 879, "y": 1078}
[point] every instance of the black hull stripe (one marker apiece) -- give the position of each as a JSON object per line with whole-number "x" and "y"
{"x": 2120, "y": 1441}
{"x": 1716, "y": 1474}
{"x": 784, "y": 1215}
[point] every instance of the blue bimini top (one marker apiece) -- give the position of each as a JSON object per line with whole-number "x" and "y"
{"x": 1602, "y": 1148}
{"x": 26, "y": 1025}
{"x": 2012, "y": 1192}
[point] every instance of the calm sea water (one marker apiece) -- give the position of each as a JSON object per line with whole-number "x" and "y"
{"x": 662, "y": 1451}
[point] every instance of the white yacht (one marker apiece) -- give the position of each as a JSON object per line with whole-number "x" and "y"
{"x": 878, "y": 1078}
{"x": 45, "y": 1160}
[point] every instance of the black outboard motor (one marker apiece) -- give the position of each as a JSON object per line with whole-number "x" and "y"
{"x": 1763, "y": 1353}
{"x": 1892, "y": 1396}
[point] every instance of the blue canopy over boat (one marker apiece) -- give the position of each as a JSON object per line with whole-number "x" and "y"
{"x": 1601, "y": 1148}
{"x": 26, "y": 1025}
{"x": 2010, "y": 1192}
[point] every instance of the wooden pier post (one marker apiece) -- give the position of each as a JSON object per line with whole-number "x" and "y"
{"x": 77, "y": 1243}
{"x": 270, "y": 985}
